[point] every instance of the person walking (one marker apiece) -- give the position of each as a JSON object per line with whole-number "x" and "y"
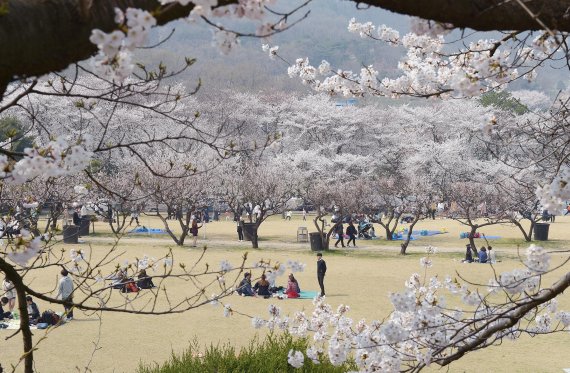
{"x": 134, "y": 216}
{"x": 65, "y": 293}
{"x": 194, "y": 230}
{"x": 339, "y": 229}
{"x": 351, "y": 232}
{"x": 321, "y": 270}
{"x": 304, "y": 214}
{"x": 240, "y": 229}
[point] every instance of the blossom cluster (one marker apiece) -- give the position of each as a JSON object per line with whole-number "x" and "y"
{"x": 57, "y": 158}
{"x": 114, "y": 60}
{"x": 553, "y": 196}
{"x": 24, "y": 248}
{"x": 422, "y": 329}
{"x": 428, "y": 70}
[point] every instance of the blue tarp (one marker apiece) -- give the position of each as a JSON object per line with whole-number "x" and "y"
{"x": 418, "y": 234}
{"x": 304, "y": 295}
{"x": 148, "y": 230}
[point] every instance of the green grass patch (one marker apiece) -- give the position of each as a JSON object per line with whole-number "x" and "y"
{"x": 267, "y": 356}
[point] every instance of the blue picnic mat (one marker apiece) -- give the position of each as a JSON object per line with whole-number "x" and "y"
{"x": 148, "y": 230}
{"x": 304, "y": 295}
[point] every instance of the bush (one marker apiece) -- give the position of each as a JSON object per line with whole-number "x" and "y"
{"x": 268, "y": 356}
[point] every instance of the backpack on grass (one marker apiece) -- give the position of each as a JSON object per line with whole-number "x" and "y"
{"x": 49, "y": 317}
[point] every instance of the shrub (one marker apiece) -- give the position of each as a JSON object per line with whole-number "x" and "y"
{"x": 268, "y": 356}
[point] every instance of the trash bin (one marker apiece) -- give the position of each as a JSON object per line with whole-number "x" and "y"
{"x": 84, "y": 227}
{"x": 541, "y": 231}
{"x": 316, "y": 241}
{"x": 248, "y": 229}
{"x": 70, "y": 233}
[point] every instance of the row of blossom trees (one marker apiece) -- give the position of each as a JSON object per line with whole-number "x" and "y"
{"x": 344, "y": 160}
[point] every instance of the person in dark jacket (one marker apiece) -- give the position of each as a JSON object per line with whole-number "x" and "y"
{"x": 261, "y": 287}
{"x": 4, "y": 314}
{"x": 76, "y": 217}
{"x": 321, "y": 270}
{"x": 468, "y": 255}
{"x": 33, "y": 310}
{"x": 144, "y": 281}
{"x": 351, "y": 232}
{"x": 339, "y": 229}
{"x": 240, "y": 229}
{"x": 244, "y": 287}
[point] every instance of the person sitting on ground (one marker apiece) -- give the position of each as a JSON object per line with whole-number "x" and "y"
{"x": 272, "y": 287}
{"x": 468, "y": 255}
{"x": 244, "y": 287}
{"x": 261, "y": 287}
{"x": 4, "y": 314}
{"x": 119, "y": 278}
{"x": 33, "y": 310}
{"x": 144, "y": 280}
{"x": 492, "y": 258}
{"x": 293, "y": 288}
{"x": 483, "y": 255}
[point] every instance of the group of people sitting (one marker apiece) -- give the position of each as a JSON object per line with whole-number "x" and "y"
{"x": 485, "y": 255}
{"x": 128, "y": 284}
{"x": 33, "y": 310}
{"x": 263, "y": 288}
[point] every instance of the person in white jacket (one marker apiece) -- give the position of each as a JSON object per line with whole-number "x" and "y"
{"x": 492, "y": 256}
{"x": 65, "y": 293}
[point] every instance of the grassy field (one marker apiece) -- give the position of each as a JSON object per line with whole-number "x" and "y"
{"x": 360, "y": 277}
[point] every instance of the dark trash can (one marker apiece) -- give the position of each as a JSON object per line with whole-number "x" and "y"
{"x": 248, "y": 229}
{"x": 84, "y": 227}
{"x": 541, "y": 231}
{"x": 316, "y": 241}
{"x": 70, "y": 233}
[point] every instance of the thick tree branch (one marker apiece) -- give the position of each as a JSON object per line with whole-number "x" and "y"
{"x": 38, "y": 37}
{"x": 483, "y": 15}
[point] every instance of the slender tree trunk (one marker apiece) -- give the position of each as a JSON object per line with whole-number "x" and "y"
{"x": 254, "y": 238}
{"x": 15, "y": 278}
{"x": 321, "y": 229}
{"x": 404, "y": 245}
{"x": 472, "y": 239}
{"x": 527, "y": 236}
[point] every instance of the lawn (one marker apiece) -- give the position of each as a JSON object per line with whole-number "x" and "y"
{"x": 360, "y": 277}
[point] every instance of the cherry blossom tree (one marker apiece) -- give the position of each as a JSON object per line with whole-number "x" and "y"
{"x": 266, "y": 187}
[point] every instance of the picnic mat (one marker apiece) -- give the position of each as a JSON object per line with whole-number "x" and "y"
{"x": 148, "y": 230}
{"x": 14, "y": 325}
{"x": 417, "y": 234}
{"x": 303, "y": 295}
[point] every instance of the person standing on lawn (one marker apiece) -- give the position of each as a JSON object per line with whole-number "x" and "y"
{"x": 321, "y": 270}
{"x": 65, "y": 293}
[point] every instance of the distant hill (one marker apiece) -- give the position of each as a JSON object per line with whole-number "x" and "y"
{"x": 323, "y": 35}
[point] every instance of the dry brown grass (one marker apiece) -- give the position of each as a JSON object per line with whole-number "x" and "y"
{"x": 359, "y": 277}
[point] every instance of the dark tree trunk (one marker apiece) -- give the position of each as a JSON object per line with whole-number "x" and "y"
{"x": 472, "y": 239}
{"x": 527, "y": 236}
{"x": 404, "y": 245}
{"x": 390, "y": 230}
{"x": 325, "y": 236}
{"x": 15, "y": 278}
{"x": 254, "y": 237}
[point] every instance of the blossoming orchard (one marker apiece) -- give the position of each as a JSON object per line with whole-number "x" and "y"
{"x": 169, "y": 170}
